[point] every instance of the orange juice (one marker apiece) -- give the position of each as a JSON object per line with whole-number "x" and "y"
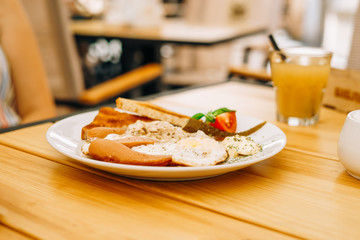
{"x": 299, "y": 82}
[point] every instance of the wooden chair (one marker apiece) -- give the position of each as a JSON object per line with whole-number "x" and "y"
{"x": 120, "y": 84}
{"x": 50, "y": 22}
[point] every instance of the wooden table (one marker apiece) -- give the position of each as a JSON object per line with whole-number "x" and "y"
{"x": 301, "y": 193}
{"x": 148, "y": 40}
{"x": 170, "y": 31}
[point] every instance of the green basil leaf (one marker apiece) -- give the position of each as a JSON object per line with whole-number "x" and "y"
{"x": 198, "y": 116}
{"x": 221, "y": 110}
{"x": 210, "y": 117}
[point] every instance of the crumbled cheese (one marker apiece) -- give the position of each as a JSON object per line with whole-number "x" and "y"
{"x": 159, "y": 130}
{"x": 238, "y": 146}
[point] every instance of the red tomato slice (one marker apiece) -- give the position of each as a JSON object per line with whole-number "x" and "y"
{"x": 226, "y": 122}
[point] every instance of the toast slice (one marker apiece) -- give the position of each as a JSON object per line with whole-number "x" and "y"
{"x": 153, "y": 111}
{"x": 110, "y": 118}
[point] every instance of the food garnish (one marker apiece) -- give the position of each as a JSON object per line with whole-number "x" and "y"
{"x": 222, "y": 118}
{"x": 194, "y": 125}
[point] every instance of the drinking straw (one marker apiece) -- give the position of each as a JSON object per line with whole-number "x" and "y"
{"x": 276, "y": 47}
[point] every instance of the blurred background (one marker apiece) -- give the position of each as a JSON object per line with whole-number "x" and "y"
{"x": 76, "y": 61}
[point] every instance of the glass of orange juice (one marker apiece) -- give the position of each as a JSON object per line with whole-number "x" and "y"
{"x": 299, "y": 76}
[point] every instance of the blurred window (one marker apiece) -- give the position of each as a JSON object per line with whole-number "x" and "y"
{"x": 338, "y": 29}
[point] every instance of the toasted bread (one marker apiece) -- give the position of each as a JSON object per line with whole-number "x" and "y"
{"x": 110, "y": 118}
{"x": 153, "y": 111}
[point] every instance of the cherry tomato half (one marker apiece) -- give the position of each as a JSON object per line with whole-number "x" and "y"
{"x": 226, "y": 121}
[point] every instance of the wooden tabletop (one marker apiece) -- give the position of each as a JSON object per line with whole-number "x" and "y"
{"x": 303, "y": 192}
{"x": 170, "y": 31}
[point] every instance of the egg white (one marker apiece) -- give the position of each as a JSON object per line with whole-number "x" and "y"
{"x": 199, "y": 151}
{"x": 165, "y": 148}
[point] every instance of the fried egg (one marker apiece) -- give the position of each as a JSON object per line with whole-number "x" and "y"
{"x": 199, "y": 151}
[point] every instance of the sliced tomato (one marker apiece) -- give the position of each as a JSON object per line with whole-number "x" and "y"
{"x": 222, "y": 118}
{"x": 226, "y": 121}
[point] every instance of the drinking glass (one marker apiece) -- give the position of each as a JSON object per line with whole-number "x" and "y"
{"x": 299, "y": 76}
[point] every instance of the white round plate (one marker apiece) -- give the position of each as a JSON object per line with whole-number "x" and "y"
{"x": 65, "y": 137}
